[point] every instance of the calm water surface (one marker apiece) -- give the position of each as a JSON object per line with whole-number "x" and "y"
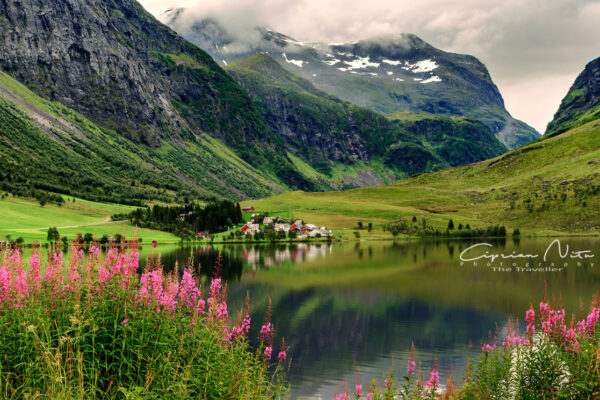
{"x": 355, "y": 308}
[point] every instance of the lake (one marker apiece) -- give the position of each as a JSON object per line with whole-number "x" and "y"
{"x": 353, "y": 309}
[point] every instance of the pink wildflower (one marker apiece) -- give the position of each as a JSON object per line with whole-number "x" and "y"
{"x": 358, "y": 391}
{"x": 434, "y": 379}
{"x": 488, "y": 348}
{"x": 281, "y": 356}
{"x": 124, "y": 321}
{"x": 268, "y": 351}
{"x": 388, "y": 385}
{"x": 571, "y": 342}
{"x": 530, "y": 319}
{"x": 411, "y": 367}
{"x": 265, "y": 332}
{"x": 592, "y": 320}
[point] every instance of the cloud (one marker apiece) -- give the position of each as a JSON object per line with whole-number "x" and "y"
{"x": 534, "y": 49}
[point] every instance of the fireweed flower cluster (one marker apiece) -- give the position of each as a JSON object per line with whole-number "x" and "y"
{"x": 122, "y": 327}
{"x": 550, "y": 359}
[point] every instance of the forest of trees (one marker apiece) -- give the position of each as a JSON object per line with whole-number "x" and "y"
{"x": 185, "y": 221}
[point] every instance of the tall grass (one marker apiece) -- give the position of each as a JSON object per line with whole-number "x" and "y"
{"x": 97, "y": 330}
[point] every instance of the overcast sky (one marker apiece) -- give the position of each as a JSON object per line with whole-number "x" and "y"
{"x": 534, "y": 49}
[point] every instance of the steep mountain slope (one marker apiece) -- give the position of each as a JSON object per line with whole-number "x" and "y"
{"x": 325, "y": 131}
{"x": 457, "y": 140}
{"x": 551, "y": 186}
{"x": 122, "y": 69}
{"x": 582, "y": 102}
{"x": 387, "y": 75}
{"x": 47, "y": 147}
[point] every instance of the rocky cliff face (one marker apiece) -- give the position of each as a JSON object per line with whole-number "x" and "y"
{"x": 387, "y": 74}
{"x": 582, "y": 100}
{"x": 116, "y": 64}
{"x": 314, "y": 125}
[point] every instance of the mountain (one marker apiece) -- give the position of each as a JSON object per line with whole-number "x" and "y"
{"x": 123, "y": 70}
{"x": 328, "y": 133}
{"x": 387, "y": 74}
{"x": 548, "y": 187}
{"x": 582, "y": 102}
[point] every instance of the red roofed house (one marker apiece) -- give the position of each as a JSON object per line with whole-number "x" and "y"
{"x": 248, "y": 208}
{"x": 250, "y": 229}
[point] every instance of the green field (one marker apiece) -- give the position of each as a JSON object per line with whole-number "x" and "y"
{"x": 27, "y": 219}
{"x": 548, "y": 187}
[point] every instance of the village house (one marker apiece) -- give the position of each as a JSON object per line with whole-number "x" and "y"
{"x": 202, "y": 235}
{"x": 250, "y": 229}
{"x": 282, "y": 227}
{"x": 322, "y": 232}
{"x": 247, "y": 208}
{"x": 298, "y": 227}
{"x": 268, "y": 220}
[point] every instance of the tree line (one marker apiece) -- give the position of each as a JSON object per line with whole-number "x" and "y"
{"x": 185, "y": 221}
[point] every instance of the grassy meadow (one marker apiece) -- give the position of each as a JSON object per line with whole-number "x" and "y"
{"x": 27, "y": 219}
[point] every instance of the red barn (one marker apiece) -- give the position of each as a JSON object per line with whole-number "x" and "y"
{"x": 248, "y": 208}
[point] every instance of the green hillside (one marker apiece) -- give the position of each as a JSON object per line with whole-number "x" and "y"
{"x": 551, "y": 186}
{"x": 47, "y": 147}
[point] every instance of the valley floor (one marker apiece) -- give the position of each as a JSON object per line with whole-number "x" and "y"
{"x": 548, "y": 187}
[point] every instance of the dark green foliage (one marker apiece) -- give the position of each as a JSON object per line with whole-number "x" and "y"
{"x": 458, "y": 141}
{"x": 188, "y": 220}
{"x": 53, "y": 235}
{"x": 404, "y": 227}
{"x": 412, "y": 158}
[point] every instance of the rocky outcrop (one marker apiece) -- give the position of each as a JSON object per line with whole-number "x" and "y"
{"x": 116, "y": 64}
{"x": 583, "y": 97}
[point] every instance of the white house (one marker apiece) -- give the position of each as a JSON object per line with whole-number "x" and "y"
{"x": 282, "y": 227}
{"x": 319, "y": 231}
{"x": 268, "y": 220}
{"x": 250, "y": 228}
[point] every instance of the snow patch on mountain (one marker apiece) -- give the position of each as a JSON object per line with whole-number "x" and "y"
{"x": 420, "y": 66}
{"x": 434, "y": 78}
{"x": 332, "y": 62}
{"x": 391, "y": 62}
{"x": 295, "y": 62}
{"x": 360, "y": 63}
